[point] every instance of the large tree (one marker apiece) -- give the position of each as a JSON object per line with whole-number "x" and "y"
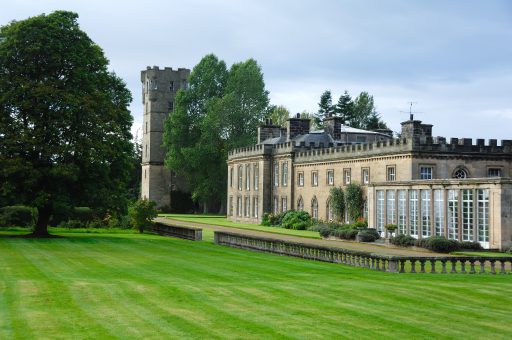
{"x": 325, "y": 108}
{"x": 279, "y": 114}
{"x": 219, "y": 111}
{"x": 64, "y": 121}
{"x": 345, "y": 107}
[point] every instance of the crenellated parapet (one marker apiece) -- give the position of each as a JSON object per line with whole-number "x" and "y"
{"x": 462, "y": 145}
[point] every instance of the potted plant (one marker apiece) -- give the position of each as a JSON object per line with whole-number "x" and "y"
{"x": 390, "y": 229}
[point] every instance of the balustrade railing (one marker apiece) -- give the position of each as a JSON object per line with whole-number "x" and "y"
{"x": 389, "y": 263}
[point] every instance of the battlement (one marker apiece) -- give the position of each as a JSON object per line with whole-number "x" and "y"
{"x": 462, "y": 145}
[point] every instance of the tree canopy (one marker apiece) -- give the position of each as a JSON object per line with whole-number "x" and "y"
{"x": 219, "y": 111}
{"x": 64, "y": 121}
{"x": 278, "y": 114}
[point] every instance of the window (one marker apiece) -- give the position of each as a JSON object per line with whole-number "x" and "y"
{"x": 239, "y": 206}
{"x": 439, "y": 212}
{"x": 483, "y": 215}
{"x": 390, "y": 207}
{"x": 146, "y": 127}
{"x": 360, "y": 139}
{"x": 425, "y": 213}
{"x": 239, "y": 177}
{"x": 230, "y": 205}
{"x": 255, "y": 207}
{"x": 284, "y": 204}
{"x": 380, "y": 211}
{"x": 314, "y": 178}
{"x": 330, "y": 177}
{"x": 170, "y": 105}
{"x": 171, "y": 86}
{"x": 346, "y": 176}
{"x": 391, "y": 173}
{"x": 402, "y": 211}
{"x": 145, "y": 174}
{"x": 460, "y": 173}
{"x": 494, "y": 172}
{"x": 329, "y": 216}
{"x": 247, "y": 177}
{"x": 231, "y": 177}
{"x": 184, "y": 83}
{"x": 300, "y": 204}
{"x": 467, "y": 215}
{"x": 300, "y": 179}
{"x": 284, "y": 180}
{"x": 314, "y": 208}
{"x": 453, "y": 214}
{"x": 247, "y": 206}
{"x": 276, "y": 174}
{"x": 276, "y": 205}
{"x": 256, "y": 172}
{"x": 426, "y": 172}
{"x": 413, "y": 213}
{"x": 365, "y": 176}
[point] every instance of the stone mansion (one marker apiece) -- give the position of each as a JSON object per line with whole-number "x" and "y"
{"x": 426, "y": 185}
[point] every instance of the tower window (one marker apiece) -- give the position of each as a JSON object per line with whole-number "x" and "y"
{"x": 171, "y": 86}
{"x": 170, "y": 105}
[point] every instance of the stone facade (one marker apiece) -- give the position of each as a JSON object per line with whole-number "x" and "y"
{"x": 159, "y": 87}
{"x": 426, "y": 185}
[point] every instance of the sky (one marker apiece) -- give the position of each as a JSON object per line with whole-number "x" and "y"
{"x": 452, "y": 58}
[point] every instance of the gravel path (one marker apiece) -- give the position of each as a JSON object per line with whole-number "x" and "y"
{"x": 368, "y": 247}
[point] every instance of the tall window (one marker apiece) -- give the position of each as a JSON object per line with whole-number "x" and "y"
{"x": 300, "y": 179}
{"x": 439, "y": 212}
{"x": 483, "y": 215}
{"x": 402, "y": 211}
{"x": 255, "y": 207}
{"x": 230, "y": 205}
{"x": 391, "y": 173}
{"x": 247, "y": 207}
{"x": 453, "y": 214}
{"x": 426, "y": 172}
{"x": 171, "y": 86}
{"x": 314, "y": 208}
{"x": 300, "y": 204}
{"x": 330, "y": 177}
{"x": 256, "y": 172}
{"x": 276, "y": 174}
{"x": 390, "y": 207}
{"x": 425, "y": 213}
{"x": 314, "y": 178}
{"x": 494, "y": 172}
{"x": 330, "y": 216}
{"x": 380, "y": 211}
{"x": 276, "y": 205}
{"x": 247, "y": 177}
{"x": 413, "y": 213}
{"x": 467, "y": 215}
{"x": 231, "y": 177}
{"x": 239, "y": 206}
{"x": 346, "y": 176}
{"x": 170, "y": 105}
{"x": 366, "y": 176}
{"x": 239, "y": 177}
{"x": 285, "y": 174}
{"x": 284, "y": 204}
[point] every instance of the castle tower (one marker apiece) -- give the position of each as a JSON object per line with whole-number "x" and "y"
{"x": 159, "y": 88}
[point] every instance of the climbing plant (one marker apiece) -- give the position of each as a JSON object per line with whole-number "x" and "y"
{"x": 354, "y": 201}
{"x": 337, "y": 201}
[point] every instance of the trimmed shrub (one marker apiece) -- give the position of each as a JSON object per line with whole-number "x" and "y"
{"x": 298, "y": 220}
{"x": 324, "y": 231}
{"x": 368, "y": 235}
{"x": 361, "y": 223}
{"x": 141, "y": 214}
{"x": 470, "y": 245}
{"x": 270, "y": 219}
{"x": 402, "y": 240}
{"x": 439, "y": 244}
{"x": 17, "y": 216}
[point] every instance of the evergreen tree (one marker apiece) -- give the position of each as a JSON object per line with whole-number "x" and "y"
{"x": 325, "y": 108}
{"x": 345, "y": 108}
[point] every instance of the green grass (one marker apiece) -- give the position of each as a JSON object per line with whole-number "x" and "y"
{"x": 223, "y": 221}
{"x": 481, "y": 253}
{"x": 126, "y": 285}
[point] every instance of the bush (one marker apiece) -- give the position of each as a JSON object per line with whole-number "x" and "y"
{"x": 439, "y": 244}
{"x": 402, "y": 240}
{"x": 324, "y": 231}
{"x": 72, "y": 224}
{"x": 141, "y": 213}
{"x": 17, "y": 216}
{"x": 272, "y": 220}
{"x": 508, "y": 250}
{"x": 470, "y": 245}
{"x": 298, "y": 220}
{"x": 368, "y": 235}
{"x": 361, "y": 223}
{"x": 122, "y": 222}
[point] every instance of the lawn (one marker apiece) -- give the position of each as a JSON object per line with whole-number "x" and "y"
{"x": 126, "y": 285}
{"x": 223, "y": 221}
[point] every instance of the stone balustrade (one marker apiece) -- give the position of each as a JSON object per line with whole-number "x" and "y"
{"x": 187, "y": 233}
{"x": 395, "y": 264}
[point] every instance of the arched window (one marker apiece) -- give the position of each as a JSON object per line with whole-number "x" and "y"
{"x": 328, "y": 209}
{"x": 460, "y": 173}
{"x": 300, "y": 204}
{"x": 314, "y": 208}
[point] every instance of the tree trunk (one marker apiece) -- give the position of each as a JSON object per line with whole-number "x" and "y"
{"x": 205, "y": 208}
{"x": 41, "y": 228}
